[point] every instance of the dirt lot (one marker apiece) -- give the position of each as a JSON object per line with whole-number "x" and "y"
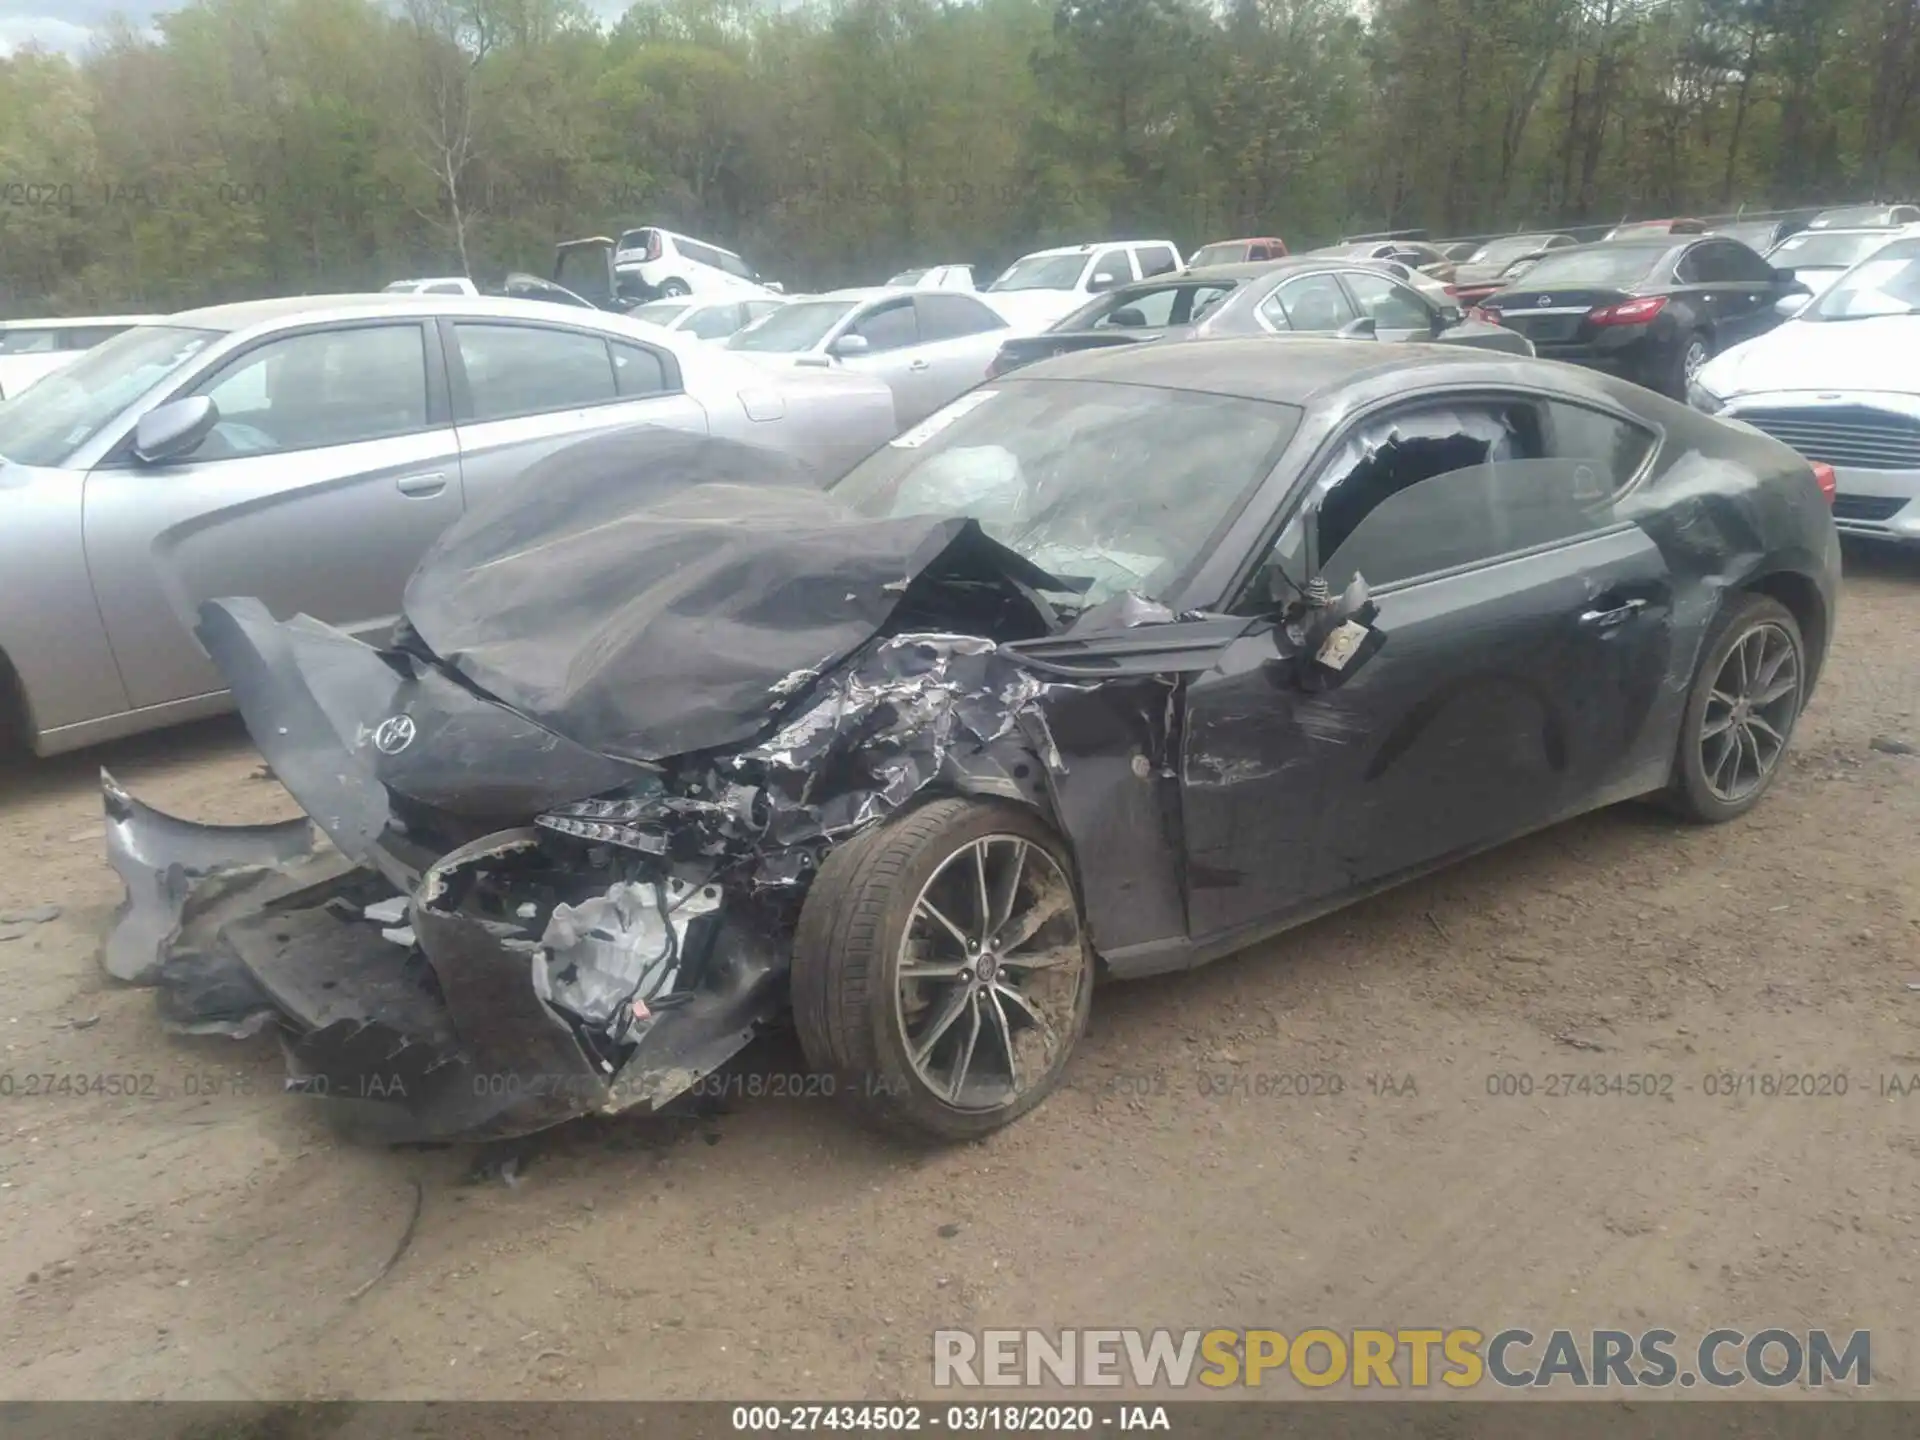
{"x": 200, "y": 1242}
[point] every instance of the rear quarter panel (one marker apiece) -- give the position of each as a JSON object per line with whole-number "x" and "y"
{"x": 1732, "y": 509}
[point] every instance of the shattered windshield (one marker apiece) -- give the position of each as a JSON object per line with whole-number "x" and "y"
{"x": 792, "y": 328}
{"x": 1043, "y": 272}
{"x": 46, "y": 424}
{"x": 1114, "y": 487}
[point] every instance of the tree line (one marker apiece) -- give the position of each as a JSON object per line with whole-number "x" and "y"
{"x": 263, "y": 147}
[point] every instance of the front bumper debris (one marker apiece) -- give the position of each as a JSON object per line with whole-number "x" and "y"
{"x": 506, "y": 992}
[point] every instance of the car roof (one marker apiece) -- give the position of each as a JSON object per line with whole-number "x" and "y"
{"x": 1090, "y": 247}
{"x": 1652, "y": 244}
{"x": 1287, "y": 371}
{"x": 246, "y": 314}
{"x": 1247, "y": 269}
{"x": 1242, "y": 240}
{"x": 72, "y": 320}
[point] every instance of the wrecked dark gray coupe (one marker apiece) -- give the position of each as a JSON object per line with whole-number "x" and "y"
{"x": 1113, "y": 666}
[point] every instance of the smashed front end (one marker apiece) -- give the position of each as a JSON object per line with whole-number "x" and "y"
{"x": 541, "y": 897}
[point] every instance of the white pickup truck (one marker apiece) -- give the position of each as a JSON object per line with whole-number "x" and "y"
{"x": 936, "y": 277}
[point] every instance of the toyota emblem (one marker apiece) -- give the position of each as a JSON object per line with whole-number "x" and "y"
{"x": 393, "y": 734}
{"x": 1543, "y": 301}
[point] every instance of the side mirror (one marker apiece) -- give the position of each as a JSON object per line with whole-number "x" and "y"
{"x": 774, "y": 285}
{"x": 1364, "y": 328}
{"x": 1446, "y": 317}
{"x": 1333, "y": 635}
{"x": 1788, "y": 306}
{"x": 170, "y": 431}
{"x": 847, "y": 347}
{"x": 1102, "y": 280}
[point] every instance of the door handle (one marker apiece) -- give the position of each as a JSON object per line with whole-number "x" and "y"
{"x": 916, "y": 364}
{"x": 422, "y": 485}
{"x": 1618, "y": 615}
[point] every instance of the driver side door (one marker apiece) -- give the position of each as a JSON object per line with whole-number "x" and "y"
{"x": 1527, "y": 639}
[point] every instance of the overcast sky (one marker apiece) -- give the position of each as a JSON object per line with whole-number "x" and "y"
{"x": 69, "y": 24}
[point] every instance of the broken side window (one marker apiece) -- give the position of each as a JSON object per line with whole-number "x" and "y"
{"x": 1438, "y": 487}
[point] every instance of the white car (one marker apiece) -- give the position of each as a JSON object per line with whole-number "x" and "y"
{"x": 30, "y": 349}
{"x": 1840, "y": 383}
{"x": 434, "y": 285}
{"x": 1049, "y": 285}
{"x": 1817, "y": 258}
{"x": 661, "y": 264}
{"x": 707, "y": 319}
{"x": 928, "y": 345}
{"x": 936, "y": 277}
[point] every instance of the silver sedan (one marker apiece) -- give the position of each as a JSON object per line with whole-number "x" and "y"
{"x": 929, "y": 345}
{"x": 308, "y": 451}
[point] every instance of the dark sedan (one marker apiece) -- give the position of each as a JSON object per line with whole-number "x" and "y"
{"x": 1651, "y": 310}
{"x": 1303, "y": 296}
{"x": 1078, "y": 680}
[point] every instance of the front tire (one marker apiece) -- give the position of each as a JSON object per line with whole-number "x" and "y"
{"x": 1740, "y": 714}
{"x": 673, "y": 289}
{"x": 941, "y": 971}
{"x": 1695, "y": 350}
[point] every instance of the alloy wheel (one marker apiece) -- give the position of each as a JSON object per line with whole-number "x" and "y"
{"x": 1696, "y": 356}
{"x": 989, "y": 973}
{"x": 1750, "y": 712}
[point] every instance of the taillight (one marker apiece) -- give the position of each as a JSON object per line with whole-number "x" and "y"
{"x": 1629, "y": 312}
{"x": 653, "y": 247}
{"x": 1828, "y": 482}
{"x": 1485, "y": 313}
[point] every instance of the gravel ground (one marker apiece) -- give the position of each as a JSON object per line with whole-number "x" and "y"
{"x": 205, "y": 1240}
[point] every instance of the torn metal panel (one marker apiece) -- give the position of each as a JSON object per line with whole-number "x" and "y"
{"x": 569, "y": 606}
{"x": 911, "y": 712}
{"x": 159, "y": 858}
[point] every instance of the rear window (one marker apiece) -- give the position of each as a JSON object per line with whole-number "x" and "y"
{"x": 632, "y": 240}
{"x": 1603, "y": 265}
{"x": 1816, "y": 250}
{"x": 1219, "y": 254}
{"x": 29, "y": 342}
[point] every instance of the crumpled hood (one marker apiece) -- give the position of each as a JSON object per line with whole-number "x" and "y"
{"x": 677, "y": 596}
{"x": 1820, "y": 355}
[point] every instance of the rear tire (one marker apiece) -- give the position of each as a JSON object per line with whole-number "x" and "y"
{"x": 673, "y": 289}
{"x": 1745, "y": 701}
{"x": 941, "y": 972}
